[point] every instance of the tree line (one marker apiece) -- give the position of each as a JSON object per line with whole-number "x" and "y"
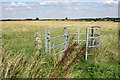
{"x": 66, "y": 19}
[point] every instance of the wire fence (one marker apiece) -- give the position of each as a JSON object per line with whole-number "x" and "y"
{"x": 58, "y": 39}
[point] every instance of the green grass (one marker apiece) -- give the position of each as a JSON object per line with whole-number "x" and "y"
{"x": 21, "y": 61}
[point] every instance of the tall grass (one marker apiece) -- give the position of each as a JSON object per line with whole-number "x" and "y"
{"x": 20, "y": 61}
{"x": 21, "y": 65}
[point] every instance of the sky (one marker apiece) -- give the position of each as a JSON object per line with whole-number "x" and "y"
{"x": 58, "y": 9}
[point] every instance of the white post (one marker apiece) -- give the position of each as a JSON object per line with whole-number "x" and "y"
{"x": 65, "y": 37}
{"x": 48, "y": 39}
{"x": 78, "y": 34}
{"x": 86, "y": 55}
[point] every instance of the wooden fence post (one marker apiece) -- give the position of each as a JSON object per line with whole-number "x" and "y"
{"x": 38, "y": 42}
{"x": 92, "y": 35}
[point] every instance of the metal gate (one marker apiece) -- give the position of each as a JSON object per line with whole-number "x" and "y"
{"x": 89, "y": 32}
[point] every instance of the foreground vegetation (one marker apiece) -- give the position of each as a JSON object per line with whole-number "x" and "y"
{"x": 21, "y": 61}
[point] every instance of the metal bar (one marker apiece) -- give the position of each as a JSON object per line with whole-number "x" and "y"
{"x": 79, "y": 40}
{"x": 95, "y": 37}
{"x": 76, "y": 33}
{"x": 89, "y": 54}
{"x": 95, "y": 27}
{"x": 86, "y": 54}
{"x": 94, "y": 46}
{"x": 94, "y": 34}
{"x": 57, "y": 45}
{"x": 57, "y": 37}
{"x": 19, "y": 37}
{"x": 57, "y": 28}
{"x": 78, "y": 26}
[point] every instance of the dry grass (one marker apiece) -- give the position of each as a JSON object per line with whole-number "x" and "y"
{"x": 34, "y": 25}
{"x": 18, "y": 56}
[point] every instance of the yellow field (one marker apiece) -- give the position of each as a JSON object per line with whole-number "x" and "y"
{"x": 37, "y": 25}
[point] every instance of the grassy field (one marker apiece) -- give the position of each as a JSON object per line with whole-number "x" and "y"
{"x": 20, "y": 59}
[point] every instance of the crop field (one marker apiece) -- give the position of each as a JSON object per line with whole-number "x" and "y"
{"x": 20, "y": 59}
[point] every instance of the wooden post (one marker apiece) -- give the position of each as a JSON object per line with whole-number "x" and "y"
{"x": 38, "y": 42}
{"x": 92, "y": 35}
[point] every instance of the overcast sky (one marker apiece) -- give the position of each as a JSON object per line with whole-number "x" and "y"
{"x": 58, "y": 8}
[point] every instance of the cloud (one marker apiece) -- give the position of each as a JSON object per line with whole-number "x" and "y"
{"x": 61, "y": 5}
{"x": 67, "y": 5}
{"x": 9, "y": 8}
{"x": 58, "y": 9}
{"x": 29, "y": 7}
{"x": 22, "y": 4}
{"x": 13, "y": 4}
{"x": 111, "y": 3}
{"x": 54, "y": 3}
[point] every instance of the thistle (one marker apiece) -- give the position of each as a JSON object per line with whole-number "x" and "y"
{"x": 73, "y": 61}
{"x": 65, "y": 56}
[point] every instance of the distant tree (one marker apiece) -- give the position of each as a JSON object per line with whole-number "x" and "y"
{"x": 28, "y": 19}
{"x": 66, "y": 18}
{"x": 37, "y": 18}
